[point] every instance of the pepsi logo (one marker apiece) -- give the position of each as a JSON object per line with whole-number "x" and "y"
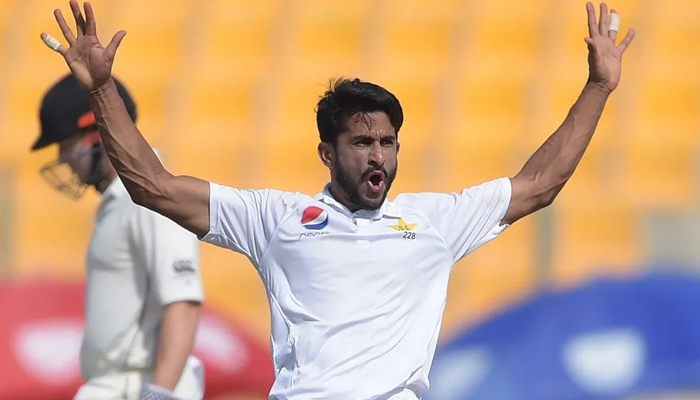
{"x": 314, "y": 218}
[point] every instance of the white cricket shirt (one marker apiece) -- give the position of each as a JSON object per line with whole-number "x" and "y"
{"x": 356, "y": 298}
{"x": 138, "y": 262}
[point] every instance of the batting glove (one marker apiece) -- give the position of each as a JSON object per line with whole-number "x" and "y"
{"x": 153, "y": 392}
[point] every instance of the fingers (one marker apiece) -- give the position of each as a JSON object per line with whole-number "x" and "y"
{"x": 53, "y": 44}
{"x": 91, "y": 24}
{"x": 79, "y": 20}
{"x": 627, "y": 40}
{"x": 111, "y": 49}
{"x": 614, "y": 25}
{"x": 590, "y": 43}
{"x": 67, "y": 33}
{"x": 604, "y": 23}
{"x": 592, "y": 25}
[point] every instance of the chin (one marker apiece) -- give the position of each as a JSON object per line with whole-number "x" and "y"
{"x": 374, "y": 203}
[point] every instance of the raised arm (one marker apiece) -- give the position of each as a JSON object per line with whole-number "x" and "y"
{"x": 183, "y": 199}
{"x": 551, "y": 166}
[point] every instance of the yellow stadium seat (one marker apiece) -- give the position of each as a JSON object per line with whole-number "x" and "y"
{"x": 499, "y": 273}
{"x": 420, "y": 134}
{"x": 673, "y": 48}
{"x": 210, "y": 151}
{"x": 293, "y": 166}
{"x": 289, "y": 159}
{"x": 489, "y": 110}
{"x": 35, "y": 17}
{"x": 231, "y": 100}
{"x": 231, "y": 283}
{"x": 217, "y": 128}
{"x": 150, "y": 57}
{"x": 602, "y": 156}
{"x": 676, "y": 14}
{"x": 38, "y": 17}
{"x": 327, "y": 38}
{"x": 661, "y": 150}
{"x": 601, "y": 161}
{"x": 293, "y": 103}
{"x": 237, "y": 39}
{"x": 24, "y": 92}
{"x": 661, "y": 175}
{"x": 44, "y": 218}
{"x": 223, "y": 95}
{"x": 8, "y": 10}
{"x": 34, "y": 67}
{"x": 40, "y": 67}
{"x": 289, "y": 138}
{"x": 485, "y": 129}
{"x": 568, "y": 26}
{"x": 595, "y": 235}
{"x": 158, "y": 43}
{"x": 419, "y": 101}
{"x": 670, "y": 101}
{"x": 413, "y": 38}
{"x": 417, "y": 169}
{"x": 501, "y": 37}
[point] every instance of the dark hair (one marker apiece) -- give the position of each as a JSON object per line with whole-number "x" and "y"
{"x": 347, "y": 97}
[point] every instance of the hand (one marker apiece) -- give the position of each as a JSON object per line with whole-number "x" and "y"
{"x": 89, "y": 62}
{"x": 604, "y": 56}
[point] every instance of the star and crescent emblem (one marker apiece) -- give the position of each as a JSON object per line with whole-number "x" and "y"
{"x": 402, "y": 225}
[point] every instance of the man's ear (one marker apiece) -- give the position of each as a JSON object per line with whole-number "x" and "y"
{"x": 327, "y": 154}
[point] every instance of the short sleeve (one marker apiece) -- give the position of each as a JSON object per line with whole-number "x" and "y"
{"x": 245, "y": 220}
{"x": 170, "y": 255}
{"x": 465, "y": 220}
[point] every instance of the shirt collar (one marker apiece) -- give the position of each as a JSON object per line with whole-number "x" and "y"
{"x": 388, "y": 208}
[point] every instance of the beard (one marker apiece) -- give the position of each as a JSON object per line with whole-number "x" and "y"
{"x": 351, "y": 188}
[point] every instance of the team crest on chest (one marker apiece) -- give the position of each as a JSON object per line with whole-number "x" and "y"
{"x": 402, "y": 225}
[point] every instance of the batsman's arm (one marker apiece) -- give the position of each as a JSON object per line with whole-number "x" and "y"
{"x": 175, "y": 343}
{"x": 170, "y": 256}
{"x": 183, "y": 199}
{"x": 551, "y": 166}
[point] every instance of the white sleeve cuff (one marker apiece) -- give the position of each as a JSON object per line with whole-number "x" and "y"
{"x": 507, "y": 186}
{"x": 214, "y": 201}
{"x": 192, "y": 295}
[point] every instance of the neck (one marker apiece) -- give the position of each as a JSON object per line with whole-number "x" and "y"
{"x": 108, "y": 178}
{"x": 341, "y": 197}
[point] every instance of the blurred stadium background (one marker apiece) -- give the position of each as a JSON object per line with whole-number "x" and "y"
{"x": 226, "y": 91}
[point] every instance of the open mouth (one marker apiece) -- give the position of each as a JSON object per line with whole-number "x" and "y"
{"x": 375, "y": 181}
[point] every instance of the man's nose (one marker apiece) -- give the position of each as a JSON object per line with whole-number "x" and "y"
{"x": 376, "y": 156}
